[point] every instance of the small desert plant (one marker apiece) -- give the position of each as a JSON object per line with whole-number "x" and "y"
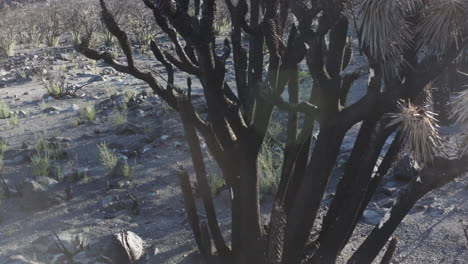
{"x": 41, "y": 165}
{"x": 13, "y": 120}
{"x": 8, "y": 31}
{"x": 222, "y": 26}
{"x": 75, "y": 122}
{"x": 50, "y": 23}
{"x": 43, "y": 104}
{"x": 142, "y": 26}
{"x": 7, "y": 44}
{"x": 107, "y": 157}
{"x": 128, "y": 95}
{"x": 119, "y": 115}
{"x": 4, "y": 110}
{"x": 216, "y": 184}
{"x": 55, "y": 84}
{"x": 270, "y": 160}
{"x": 3, "y": 146}
{"x": 88, "y": 113}
{"x": 127, "y": 170}
{"x": 48, "y": 146}
{"x": 110, "y": 90}
{"x": 30, "y": 31}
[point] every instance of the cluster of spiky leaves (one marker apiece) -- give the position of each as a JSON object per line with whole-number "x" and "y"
{"x": 386, "y": 32}
{"x": 420, "y": 128}
{"x": 440, "y": 26}
{"x": 460, "y": 114}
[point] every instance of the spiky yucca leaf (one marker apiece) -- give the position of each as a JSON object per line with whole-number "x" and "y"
{"x": 384, "y": 31}
{"x": 460, "y": 115}
{"x": 442, "y": 24}
{"x": 419, "y": 126}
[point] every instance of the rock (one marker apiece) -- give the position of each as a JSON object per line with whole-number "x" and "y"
{"x": 22, "y": 114}
{"x": 140, "y": 113}
{"x": 406, "y": 169}
{"x": 63, "y": 56}
{"x": 107, "y": 103}
{"x": 108, "y": 71}
{"x": 128, "y": 248}
{"x": 118, "y": 99}
{"x": 46, "y": 181}
{"x": 372, "y": 217}
{"x": 164, "y": 137}
{"x": 107, "y": 201}
{"x": 390, "y": 192}
{"x": 101, "y": 130}
{"x": 26, "y": 145}
{"x": 74, "y": 108}
{"x": 118, "y": 184}
{"x": 146, "y": 107}
{"x": 37, "y": 195}
{"x": 48, "y": 98}
{"x": 118, "y": 170}
{"x": 74, "y": 175}
{"x": 51, "y": 109}
{"x": 45, "y": 247}
{"x": 86, "y": 137}
{"x": 128, "y": 129}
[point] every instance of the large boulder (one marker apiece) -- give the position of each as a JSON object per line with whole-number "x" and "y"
{"x": 127, "y": 247}
{"x": 38, "y": 195}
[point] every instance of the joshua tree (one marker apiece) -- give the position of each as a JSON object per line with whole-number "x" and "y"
{"x": 407, "y": 45}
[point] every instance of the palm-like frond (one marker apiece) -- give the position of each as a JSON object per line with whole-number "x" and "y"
{"x": 460, "y": 115}
{"x": 420, "y": 128}
{"x": 442, "y": 24}
{"x": 384, "y": 31}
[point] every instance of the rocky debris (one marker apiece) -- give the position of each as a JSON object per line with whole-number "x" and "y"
{"x": 406, "y": 169}
{"x": 127, "y": 248}
{"x": 38, "y": 195}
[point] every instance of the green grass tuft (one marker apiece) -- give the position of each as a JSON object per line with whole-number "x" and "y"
{"x": 107, "y": 157}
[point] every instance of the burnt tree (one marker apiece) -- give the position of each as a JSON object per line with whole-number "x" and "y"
{"x": 402, "y": 61}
